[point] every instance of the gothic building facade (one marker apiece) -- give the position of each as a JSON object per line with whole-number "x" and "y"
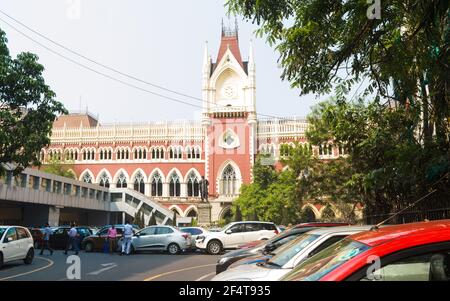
{"x": 166, "y": 160}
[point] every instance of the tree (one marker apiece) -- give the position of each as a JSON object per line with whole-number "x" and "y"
{"x": 237, "y": 214}
{"x": 139, "y": 219}
{"x": 27, "y": 109}
{"x": 337, "y": 43}
{"x": 59, "y": 168}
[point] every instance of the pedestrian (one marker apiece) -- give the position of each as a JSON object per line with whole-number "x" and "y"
{"x": 127, "y": 236}
{"x": 46, "y": 240}
{"x": 72, "y": 239}
{"x": 111, "y": 237}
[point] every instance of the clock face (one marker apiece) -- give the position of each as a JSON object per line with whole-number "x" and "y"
{"x": 229, "y": 92}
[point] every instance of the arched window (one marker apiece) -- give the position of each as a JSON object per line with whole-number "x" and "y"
{"x": 229, "y": 181}
{"x": 193, "y": 185}
{"x": 157, "y": 187}
{"x": 189, "y": 154}
{"x": 174, "y": 185}
{"x": 192, "y": 213}
{"x": 87, "y": 178}
{"x": 171, "y": 153}
{"x": 104, "y": 180}
{"x": 121, "y": 181}
{"x": 139, "y": 183}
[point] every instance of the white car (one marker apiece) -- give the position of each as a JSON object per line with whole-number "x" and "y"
{"x": 289, "y": 255}
{"x": 16, "y": 243}
{"x": 235, "y": 234}
{"x": 195, "y": 232}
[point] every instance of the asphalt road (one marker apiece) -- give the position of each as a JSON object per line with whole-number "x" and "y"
{"x": 191, "y": 266}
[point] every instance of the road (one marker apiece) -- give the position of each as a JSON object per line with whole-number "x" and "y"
{"x": 191, "y": 266}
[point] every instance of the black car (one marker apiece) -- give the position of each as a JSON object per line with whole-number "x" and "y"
{"x": 265, "y": 248}
{"x": 58, "y": 239}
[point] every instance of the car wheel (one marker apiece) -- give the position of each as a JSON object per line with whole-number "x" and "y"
{"x": 89, "y": 247}
{"x": 36, "y": 245}
{"x": 173, "y": 249}
{"x": 214, "y": 247}
{"x": 30, "y": 257}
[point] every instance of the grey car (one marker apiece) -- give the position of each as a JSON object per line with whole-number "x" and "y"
{"x": 161, "y": 238}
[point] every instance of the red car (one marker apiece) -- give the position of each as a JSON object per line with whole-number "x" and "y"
{"x": 38, "y": 236}
{"x": 409, "y": 252}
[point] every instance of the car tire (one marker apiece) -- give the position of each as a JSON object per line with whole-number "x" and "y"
{"x": 214, "y": 247}
{"x": 173, "y": 249}
{"x": 89, "y": 247}
{"x": 36, "y": 245}
{"x": 30, "y": 256}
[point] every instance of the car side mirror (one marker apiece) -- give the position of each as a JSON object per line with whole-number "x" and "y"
{"x": 137, "y": 234}
{"x": 228, "y": 232}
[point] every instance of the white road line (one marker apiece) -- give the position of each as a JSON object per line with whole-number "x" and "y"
{"x": 108, "y": 266}
{"x": 33, "y": 271}
{"x": 206, "y": 276}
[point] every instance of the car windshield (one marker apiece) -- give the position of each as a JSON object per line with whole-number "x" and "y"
{"x": 286, "y": 252}
{"x": 324, "y": 262}
{"x": 2, "y": 230}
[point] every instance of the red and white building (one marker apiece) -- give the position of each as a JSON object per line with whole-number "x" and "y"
{"x": 165, "y": 160}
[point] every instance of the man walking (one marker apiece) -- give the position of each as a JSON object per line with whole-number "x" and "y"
{"x": 72, "y": 239}
{"x": 45, "y": 243}
{"x": 112, "y": 235}
{"x": 127, "y": 236}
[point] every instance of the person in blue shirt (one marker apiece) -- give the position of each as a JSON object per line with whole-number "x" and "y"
{"x": 45, "y": 243}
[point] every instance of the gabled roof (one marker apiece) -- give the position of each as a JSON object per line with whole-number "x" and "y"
{"x": 229, "y": 40}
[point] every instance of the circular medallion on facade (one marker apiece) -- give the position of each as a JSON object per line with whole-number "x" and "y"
{"x": 229, "y": 91}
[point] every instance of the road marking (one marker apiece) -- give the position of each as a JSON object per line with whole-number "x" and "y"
{"x": 176, "y": 271}
{"x": 108, "y": 266}
{"x": 51, "y": 262}
{"x": 206, "y": 276}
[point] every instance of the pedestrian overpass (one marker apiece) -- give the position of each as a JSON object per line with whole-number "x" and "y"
{"x": 33, "y": 198}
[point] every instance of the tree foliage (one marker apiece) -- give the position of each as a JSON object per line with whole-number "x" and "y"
{"x": 27, "y": 108}
{"x": 59, "y": 168}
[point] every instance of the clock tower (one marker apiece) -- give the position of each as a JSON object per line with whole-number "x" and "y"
{"x": 229, "y": 117}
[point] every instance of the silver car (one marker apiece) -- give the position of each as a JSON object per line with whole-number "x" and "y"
{"x": 161, "y": 238}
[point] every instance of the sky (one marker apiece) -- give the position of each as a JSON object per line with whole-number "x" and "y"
{"x": 161, "y": 42}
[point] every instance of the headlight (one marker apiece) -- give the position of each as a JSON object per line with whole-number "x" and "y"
{"x": 200, "y": 238}
{"x": 223, "y": 260}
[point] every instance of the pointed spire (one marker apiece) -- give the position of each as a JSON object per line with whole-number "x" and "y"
{"x": 251, "y": 54}
{"x": 205, "y": 54}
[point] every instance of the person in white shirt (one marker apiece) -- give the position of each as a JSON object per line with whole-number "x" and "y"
{"x": 127, "y": 236}
{"x": 72, "y": 239}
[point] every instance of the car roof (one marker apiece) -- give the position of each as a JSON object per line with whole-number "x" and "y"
{"x": 248, "y": 222}
{"x": 379, "y": 236}
{"x": 340, "y": 229}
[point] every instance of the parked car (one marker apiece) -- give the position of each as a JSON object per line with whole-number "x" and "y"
{"x": 409, "y": 252}
{"x": 289, "y": 255}
{"x": 95, "y": 242}
{"x": 38, "y": 236}
{"x": 160, "y": 238}
{"x": 195, "y": 232}
{"x": 262, "y": 251}
{"x": 16, "y": 243}
{"x": 58, "y": 240}
{"x": 235, "y": 234}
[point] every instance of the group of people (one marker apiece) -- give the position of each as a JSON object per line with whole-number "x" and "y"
{"x": 73, "y": 239}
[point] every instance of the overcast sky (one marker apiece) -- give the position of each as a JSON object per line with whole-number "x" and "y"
{"x": 158, "y": 41}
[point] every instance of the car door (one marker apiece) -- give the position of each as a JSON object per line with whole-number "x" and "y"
{"x": 99, "y": 238}
{"x": 234, "y": 236}
{"x": 145, "y": 239}
{"x": 59, "y": 238}
{"x": 163, "y": 237}
{"x": 24, "y": 241}
{"x": 11, "y": 245}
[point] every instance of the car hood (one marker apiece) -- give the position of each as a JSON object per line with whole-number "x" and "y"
{"x": 251, "y": 273}
{"x": 241, "y": 252}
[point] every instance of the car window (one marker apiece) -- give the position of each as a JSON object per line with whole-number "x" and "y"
{"x": 270, "y": 227}
{"x": 120, "y": 230}
{"x": 2, "y": 231}
{"x": 284, "y": 240}
{"x": 148, "y": 231}
{"x": 426, "y": 267}
{"x": 288, "y": 251}
{"x": 102, "y": 232}
{"x": 22, "y": 233}
{"x": 190, "y": 231}
{"x": 11, "y": 233}
{"x": 319, "y": 265}
{"x": 61, "y": 231}
{"x": 163, "y": 230}
{"x": 326, "y": 244}
{"x": 196, "y": 232}
{"x": 237, "y": 228}
{"x": 251, "y": 227}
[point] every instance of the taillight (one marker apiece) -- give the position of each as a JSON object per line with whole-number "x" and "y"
{"x": 186, "y": 236}
{"x": 276, "y": 231}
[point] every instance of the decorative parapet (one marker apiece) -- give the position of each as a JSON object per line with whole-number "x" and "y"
{"x": 282, "y": 128}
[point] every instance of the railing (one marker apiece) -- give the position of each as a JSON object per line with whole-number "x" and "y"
{"x": 285, "y": 127}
